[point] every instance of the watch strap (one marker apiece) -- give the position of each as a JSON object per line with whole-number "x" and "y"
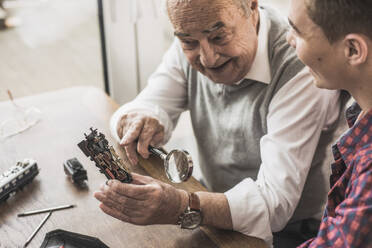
{"x": 194, "y": 202}
{"x": 185, "y": 220}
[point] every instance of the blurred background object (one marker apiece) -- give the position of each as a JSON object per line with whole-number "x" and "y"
{"x": 7, "y": 20}
{"x": 56, "y": 46}
{"x": 19, "y": 119}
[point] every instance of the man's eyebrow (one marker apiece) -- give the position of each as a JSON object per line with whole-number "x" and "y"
{"x": 293, "y": 26}
{"x": 181, "y": 34}
{"x": 215, "y": 27}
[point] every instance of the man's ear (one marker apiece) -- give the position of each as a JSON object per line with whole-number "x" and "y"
{"x": 356, "y": 49}
{"x": 254, "y": 4}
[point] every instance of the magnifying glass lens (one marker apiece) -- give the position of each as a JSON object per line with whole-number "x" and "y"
{"x": 177, "y": 166}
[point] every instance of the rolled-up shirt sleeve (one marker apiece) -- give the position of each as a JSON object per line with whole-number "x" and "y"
{"x": 164, "y": 97}
{"x": 297, "y": 115}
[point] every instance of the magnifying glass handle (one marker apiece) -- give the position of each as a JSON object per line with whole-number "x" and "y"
{"x": 158, "y": 152}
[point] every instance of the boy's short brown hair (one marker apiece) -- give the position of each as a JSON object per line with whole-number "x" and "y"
{"x": 338, "y": 18}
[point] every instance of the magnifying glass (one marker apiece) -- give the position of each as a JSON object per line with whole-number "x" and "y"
{"x": 178, "y": 164}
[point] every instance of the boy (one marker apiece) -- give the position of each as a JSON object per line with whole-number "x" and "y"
{"x": 334, "y": 38}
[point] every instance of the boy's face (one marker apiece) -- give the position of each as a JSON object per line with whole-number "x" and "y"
{"x": 326, "y": 61}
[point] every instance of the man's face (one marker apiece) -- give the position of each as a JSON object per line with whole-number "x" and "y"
{"x": 216, "y": 37}
{"x": 313, "y": 48}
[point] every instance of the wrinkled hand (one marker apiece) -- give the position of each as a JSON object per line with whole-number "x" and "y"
{"x": 137, "y": 131}
{"x": 143, "y": 202}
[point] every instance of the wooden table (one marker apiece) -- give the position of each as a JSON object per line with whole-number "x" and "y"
{"x": 66, "y": 115}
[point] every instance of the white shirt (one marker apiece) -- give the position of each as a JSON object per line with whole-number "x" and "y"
{"x": 256, "y": 208}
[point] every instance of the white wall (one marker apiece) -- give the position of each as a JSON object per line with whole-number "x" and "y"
{"x": 131, "y": 63}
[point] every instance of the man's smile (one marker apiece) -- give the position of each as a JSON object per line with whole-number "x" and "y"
{"x": 219, "y": 67}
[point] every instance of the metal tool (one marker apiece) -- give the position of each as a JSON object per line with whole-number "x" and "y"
{"x": 178, "y": 164}
{"x": 37, "y": 229}
{"x": 46, "y": 210}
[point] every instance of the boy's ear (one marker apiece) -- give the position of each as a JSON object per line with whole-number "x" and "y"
{"x": 356, "y": 49}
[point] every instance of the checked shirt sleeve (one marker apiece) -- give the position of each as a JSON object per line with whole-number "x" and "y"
{"x": 351, "y": 224}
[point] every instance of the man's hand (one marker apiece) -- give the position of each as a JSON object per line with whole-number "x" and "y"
{"x": 143, "y": 202}
{"x": 137, "y": 131}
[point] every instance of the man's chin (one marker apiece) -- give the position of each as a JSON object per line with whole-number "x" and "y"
{"x": 227, "y": 80}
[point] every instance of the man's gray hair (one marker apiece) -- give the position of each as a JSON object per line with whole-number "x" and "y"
{"x": 243, "y": 4}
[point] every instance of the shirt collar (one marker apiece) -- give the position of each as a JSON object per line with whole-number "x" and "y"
{"x": 260, "y": 70}
{"x": 358, "y": 136}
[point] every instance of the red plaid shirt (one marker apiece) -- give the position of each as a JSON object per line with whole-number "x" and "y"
{"x": 347, "y": 220}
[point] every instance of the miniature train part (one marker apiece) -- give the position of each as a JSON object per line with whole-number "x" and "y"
{"x": 16, "y": 177}
{"x": 75, "y": 171}
{"x": 96, "y": 147}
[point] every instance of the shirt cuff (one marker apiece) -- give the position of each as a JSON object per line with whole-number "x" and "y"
{"x": 153, "y": 110}
{"x": 248, "y": 210}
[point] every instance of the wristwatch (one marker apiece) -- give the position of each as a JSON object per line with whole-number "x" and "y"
{"x": 192, "y": 217}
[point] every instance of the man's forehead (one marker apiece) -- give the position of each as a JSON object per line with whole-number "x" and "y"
{"x": 203, "y": 15}
{"x": 171, "y": 4}
{"x": 215, "y": 27}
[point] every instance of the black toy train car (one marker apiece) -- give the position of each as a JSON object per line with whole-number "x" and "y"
{"x": 16, "y": 177}
{"x": 106, "y": 159}
{"x": 75, "y": 171}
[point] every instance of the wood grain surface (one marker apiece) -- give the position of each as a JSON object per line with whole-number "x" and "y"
{"x": 66, "y": 115}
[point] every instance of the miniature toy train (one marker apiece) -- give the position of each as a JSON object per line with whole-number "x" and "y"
{"x": 16, "y": 177}
{"x": 106, "y": 159}
{"x": 75, "y": 171}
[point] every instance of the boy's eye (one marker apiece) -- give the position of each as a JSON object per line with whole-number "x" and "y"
{"x": 293, "y": 31}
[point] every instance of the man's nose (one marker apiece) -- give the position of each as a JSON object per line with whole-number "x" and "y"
{"x": 291, "y": 39}
{"x": 208, "y": 56}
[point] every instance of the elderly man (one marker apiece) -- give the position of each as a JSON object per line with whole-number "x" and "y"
{"x": 256, "y": 116}
{"x": 334, "y": 38}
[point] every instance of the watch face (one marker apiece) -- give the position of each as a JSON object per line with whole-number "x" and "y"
{"x": 191, "y": 220}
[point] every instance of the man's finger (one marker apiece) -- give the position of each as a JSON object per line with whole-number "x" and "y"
{"x": 117, "y": 192}
{"x": 102, "y": 197}
{"x": 141, "y": 179}
{"x": 115, "y": 213}
{"x": 119, "y": 131}
{"x": 138, "y": 192}
{"x": 131, "y": 153}
{"x": 112, "y": 199}
{"x": 133, "y": 133}
{"x": 121, "y": 126}
{"x": 158, "y": 138}
{"x": 148, "y": 131}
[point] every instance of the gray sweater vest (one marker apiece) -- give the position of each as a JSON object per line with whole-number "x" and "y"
{"x": 229, "y": 121}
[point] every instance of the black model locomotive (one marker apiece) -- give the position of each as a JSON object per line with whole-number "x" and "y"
{"x": 106, "y": 159}
{"x": 75, "y": 171}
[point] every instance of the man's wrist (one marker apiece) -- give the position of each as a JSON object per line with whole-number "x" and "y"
{"x": 216, "y": 210}
{"x": 183, "y": 204}
{"x": 192, "y": 216}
